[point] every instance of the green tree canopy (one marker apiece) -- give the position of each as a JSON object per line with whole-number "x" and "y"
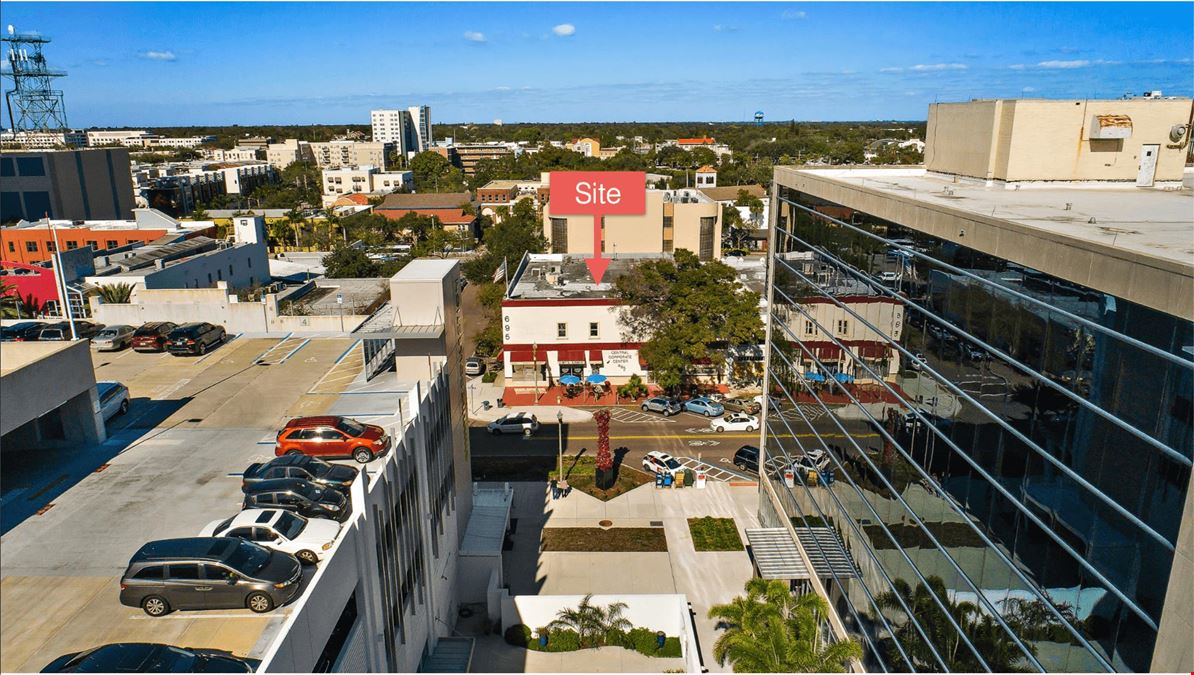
{"x": 519, "y": 233}
{"x": 686, "y": 312}
{"x": 347, "y": 262}
{"x": 434, "y": 173}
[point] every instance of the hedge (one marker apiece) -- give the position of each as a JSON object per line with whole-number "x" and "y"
{"x": 641, "y": 640}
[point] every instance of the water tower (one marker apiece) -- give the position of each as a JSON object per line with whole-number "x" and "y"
{"x": 759, "y": 118}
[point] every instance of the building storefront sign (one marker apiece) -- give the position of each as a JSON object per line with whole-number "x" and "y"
{"x": 620, "y": 362}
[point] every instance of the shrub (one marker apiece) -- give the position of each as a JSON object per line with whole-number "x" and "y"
{"x": 519, "y": 635}
{"x": 489, "y": 377}
{"x": 562, "y": 640}
{"x": 634, "y": 389}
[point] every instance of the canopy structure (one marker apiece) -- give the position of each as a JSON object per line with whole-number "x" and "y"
{"x": 777, "y": 557}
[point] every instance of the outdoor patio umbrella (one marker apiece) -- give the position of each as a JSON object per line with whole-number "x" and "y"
{"x": 595, "y": 378}
{"x": 569, "y": 379}
{"x": 843, "y": 377}
{"x": 814, "y": 377}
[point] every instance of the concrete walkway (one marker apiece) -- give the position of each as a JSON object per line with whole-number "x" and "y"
{"x": 706, "y": 577}
{"x": 493, "y": 655}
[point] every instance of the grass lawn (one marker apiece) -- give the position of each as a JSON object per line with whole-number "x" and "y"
{"x": 597, "y": 540}
{"x": 714, "y": 534}
{"x": 581, "y": 473}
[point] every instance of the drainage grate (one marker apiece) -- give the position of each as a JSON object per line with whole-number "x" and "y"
{"x": 656, "y": 523}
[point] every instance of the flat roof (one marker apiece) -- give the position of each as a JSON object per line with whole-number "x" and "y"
{"x": 506, "y": 184}
{"x": 1134, "y": 243}
{"x": 425, "y": 269}
{"x": 549, "y": 276}
{"x": 17, "y": 355}
{"x": 1156, "y": 223}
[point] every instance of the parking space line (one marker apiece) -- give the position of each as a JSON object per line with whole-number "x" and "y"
{"x": 294, "y": 351}
{"x": 344, "y": 355}
{"x": 210, "y": 354}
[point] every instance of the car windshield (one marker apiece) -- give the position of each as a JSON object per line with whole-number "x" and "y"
{"x": 172, "y": 660}
{"x": 671, "y": 463}
{"x": 108, "y": 332}
{"x": 350, "y": 427}
{"x": 248, "y": 558}
{"x": 146, "y": 330}
{"x": 290, "y": 525}
{"x": 309, "y": 491}
{"x": 222, "y": 527}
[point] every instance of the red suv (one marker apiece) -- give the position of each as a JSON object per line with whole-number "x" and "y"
{"x": 332, "y": 437}
{"x": 151, "y": 337}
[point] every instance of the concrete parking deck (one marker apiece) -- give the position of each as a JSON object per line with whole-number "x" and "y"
{"x": 170, "y": 466}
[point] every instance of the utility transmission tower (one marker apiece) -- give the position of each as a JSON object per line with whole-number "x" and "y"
{"x": 33, "y": 103}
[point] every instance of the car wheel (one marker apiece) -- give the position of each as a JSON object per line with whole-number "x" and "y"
{"x": 362, "y": 456}
{"x": 292, "y": 451}
{"x": 494, "y": 432}
{"x": 202, "y": 348}
{"x": 259, "y": 602}
{"x": 709, "y": 413}
{"x": 154, "y": 605}
{"x": 749, "y": 429}
{"x": 719, "y": 429}
{"x": 645, "y": 408}
{"x": 307, "y": 557}
{"x": 124, "y": 406}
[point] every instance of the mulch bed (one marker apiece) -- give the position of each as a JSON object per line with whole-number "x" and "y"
{"x": 581, "y": 473}
{"x": 597, "y": 540}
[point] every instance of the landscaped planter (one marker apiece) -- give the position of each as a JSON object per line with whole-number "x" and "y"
{"x": 605, "y": 478}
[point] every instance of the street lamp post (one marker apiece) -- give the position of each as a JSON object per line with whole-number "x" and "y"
{"x": 560, "y": 437}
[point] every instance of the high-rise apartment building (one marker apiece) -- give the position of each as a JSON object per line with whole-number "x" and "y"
{"x": 994, "y": 375}
{"x": 409, "y": 130}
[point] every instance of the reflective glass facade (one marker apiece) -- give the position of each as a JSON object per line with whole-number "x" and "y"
{"x": 1004, "y": 455}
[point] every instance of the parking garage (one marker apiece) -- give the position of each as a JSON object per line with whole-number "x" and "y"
{"x": 49, "y": 396}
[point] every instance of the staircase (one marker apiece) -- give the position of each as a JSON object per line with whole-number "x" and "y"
{"x": 451, "y": 655}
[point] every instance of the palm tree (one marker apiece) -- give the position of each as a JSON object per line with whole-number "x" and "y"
{"x": 10, "y": 301}
{"x": 294, "y": 218}
{"x": 115, "y": 294}
{"x": 771, "y": 631}
{"x": 586, "y": 619}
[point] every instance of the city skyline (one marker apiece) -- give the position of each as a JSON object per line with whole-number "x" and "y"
{"x": 691, "y": 62}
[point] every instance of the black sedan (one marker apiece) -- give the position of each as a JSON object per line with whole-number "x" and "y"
{"x": 310, "y": 469}
{"x": 26, "y": 331}
{"x": 141, "y": 657}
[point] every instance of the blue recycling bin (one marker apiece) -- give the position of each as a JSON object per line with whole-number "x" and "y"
{"x": 658, "y": 479}
{"x": 668, "y": 480}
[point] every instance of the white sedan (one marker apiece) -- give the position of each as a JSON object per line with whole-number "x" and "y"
{"x": 517, "y": 423}
{"x": 735, "y": 422}
{"x": 308, "y": 539}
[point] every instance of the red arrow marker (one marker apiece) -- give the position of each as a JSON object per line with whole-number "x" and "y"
{"x": 597, "y": 265}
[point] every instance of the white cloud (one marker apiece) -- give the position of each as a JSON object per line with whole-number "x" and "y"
{"x": 790, "y": 14}
{"x": 1017, "y": 66}
{"x": 722, "y": 28}
{"x": 1028, "y": 90}
{"x": 931, "y": 67}
{"x": 893, "y": 69}
{"x": 474, "y": 36}
{"x": 564, "y": 30}
{"x": 502, "y": 88}
{"x": 159, "y": 55}
{"x": 1077, "y": 63}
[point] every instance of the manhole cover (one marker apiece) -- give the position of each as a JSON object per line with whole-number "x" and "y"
{"x": 606, "y": 524}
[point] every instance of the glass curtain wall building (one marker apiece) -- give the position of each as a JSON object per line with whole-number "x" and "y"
{"x": 1003, "y": 453}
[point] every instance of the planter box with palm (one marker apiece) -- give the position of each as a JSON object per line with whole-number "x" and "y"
{"x": 115, "y": 294}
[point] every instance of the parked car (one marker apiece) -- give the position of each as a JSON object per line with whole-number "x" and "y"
{"x": 61, "y": 330}
{"x": 735, "y": 422}
{"x": 152, "y": 337}
{"x": 659, "y": 404}
{"x": 974, "y": 352}
{"x": 747, "y": 458}
{"x": 208, "y": 573}
{"x": 473, "y": 365}
{"x": 194, "y": 338}
{"x": 887, "y": 277}
{"x": 113, "y": 399}
{"x": 144, "y": 657}
{"x": 704, "y": 406}
{"x": 745, "y": 405}
{"x": 660, "y": 462}
{"x": 113, "y": 338}
{"x": 308, "y": 539}
{"x": 26, "y": 331}
{"x": 294, "y": 494}
{"x": 331, "y": 436}
{"x": 304, "y": 467}
{"x": 918, "y": 361}
{"x": 514, "y": 423}
{"x": 774, "y": 402}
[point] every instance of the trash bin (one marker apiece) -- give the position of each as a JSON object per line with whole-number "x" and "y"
{"x": 700, "y": 480}
{"x": 789, "y": 478}
{"x": 660, "y": 639}
{"x": 814, "y": 478}
{"x": 689, "y": 477}
{"x": 658, "y": 479}
{"x": 668, "y": 480}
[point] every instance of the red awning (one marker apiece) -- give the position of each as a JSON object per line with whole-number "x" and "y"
{"x": 572, "y": 356}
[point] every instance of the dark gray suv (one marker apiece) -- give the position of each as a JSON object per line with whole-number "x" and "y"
{"x": 294, "y": 494}
{"x": 208, "y": 573}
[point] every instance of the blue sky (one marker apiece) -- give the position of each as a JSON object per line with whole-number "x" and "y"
{"x": 133, "y": 64}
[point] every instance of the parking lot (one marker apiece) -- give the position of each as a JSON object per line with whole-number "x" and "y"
{"x": 171, "y": 465}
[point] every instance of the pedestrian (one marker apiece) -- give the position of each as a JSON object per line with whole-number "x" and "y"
{"x": 555, "y": 490}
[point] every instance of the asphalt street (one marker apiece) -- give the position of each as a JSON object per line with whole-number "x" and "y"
{"x": 683, "y": 435}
